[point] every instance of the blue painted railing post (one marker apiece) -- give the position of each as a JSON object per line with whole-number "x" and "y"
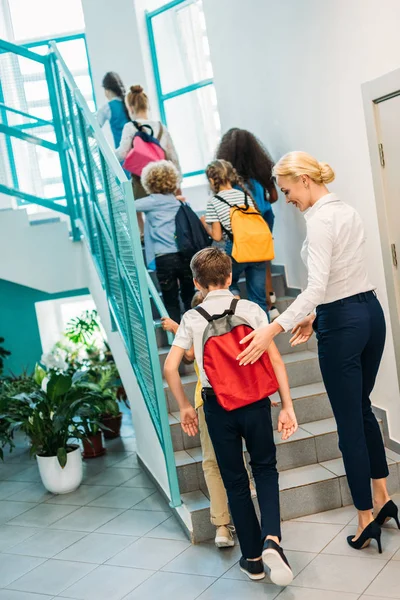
{"x": 57, "y": 110}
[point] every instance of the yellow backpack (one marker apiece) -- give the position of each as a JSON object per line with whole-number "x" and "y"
{"x": 251, "y": 236}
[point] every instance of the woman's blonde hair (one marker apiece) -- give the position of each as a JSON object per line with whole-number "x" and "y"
{"x": 137, "y": 99}
{"x": 296, "y": 164}
{"x": 161, "y": 177}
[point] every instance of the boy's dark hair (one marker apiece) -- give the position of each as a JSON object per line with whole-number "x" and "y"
{"x": 248, "y": 156}
{"x": 211, "y": 266}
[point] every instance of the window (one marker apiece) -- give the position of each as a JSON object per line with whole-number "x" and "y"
{"x": 34, "y": 19}
{"x": 184, "y": 81}
{"x": 33, "y": 95}
{"x": 23, "y": 86}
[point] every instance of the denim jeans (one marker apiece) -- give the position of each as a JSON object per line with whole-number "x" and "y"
{"x": 351, "y": 337}
{"x": 255, "y": 274}
{"x": 253, "y": 423}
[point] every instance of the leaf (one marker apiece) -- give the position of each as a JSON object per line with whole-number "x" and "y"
{"x": 77, "y": 376}
{"x": 62, "y": 457}
{"x": 58, "y": 385}
{"x": 39, "y": 374}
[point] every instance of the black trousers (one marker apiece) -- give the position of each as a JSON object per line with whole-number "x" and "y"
{"x": 253, "y": 423}
{"x": 351, "y": 337}
{"x": 174, "y": 276}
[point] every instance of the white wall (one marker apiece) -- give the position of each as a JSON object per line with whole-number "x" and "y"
{"x": 113, "y": 42}
{"x": 148, "y": 446}
{"x": 43, "y": 256}
{"x": 295, "y": 81}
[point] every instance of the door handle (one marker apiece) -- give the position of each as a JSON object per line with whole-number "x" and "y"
{"x": 394, "y": 255}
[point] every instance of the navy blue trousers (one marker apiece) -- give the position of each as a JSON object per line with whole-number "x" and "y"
{"x": 351, "y": 337}
{"x": 227, "y": 429}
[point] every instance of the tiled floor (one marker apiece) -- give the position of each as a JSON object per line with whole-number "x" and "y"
{"x": 115, "y": 539}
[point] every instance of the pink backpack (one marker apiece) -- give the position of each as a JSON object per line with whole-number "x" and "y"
{"x": 145, "y": 149}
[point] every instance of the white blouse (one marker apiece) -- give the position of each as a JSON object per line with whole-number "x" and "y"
{"x": 334, "y": 253}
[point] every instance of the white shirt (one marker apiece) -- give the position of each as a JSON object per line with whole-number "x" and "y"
{"x": 334, "y": 255}
{"x": 192, "y": 326}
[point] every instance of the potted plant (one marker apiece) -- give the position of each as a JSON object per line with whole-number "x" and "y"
{"x": 49, "y": 414}
{"x": 104, "y": 381}
{"x": 91, "y": 431}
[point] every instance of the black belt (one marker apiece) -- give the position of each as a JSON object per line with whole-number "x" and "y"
{"x": 362, "y": 297}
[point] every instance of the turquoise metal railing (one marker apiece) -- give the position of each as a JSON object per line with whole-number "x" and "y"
{"x": 100, "y": 203}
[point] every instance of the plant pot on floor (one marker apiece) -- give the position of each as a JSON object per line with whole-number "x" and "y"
{"x": 113, "y": 424}
{"x": 58, "y": 480}
{"x": 93, "y": 446}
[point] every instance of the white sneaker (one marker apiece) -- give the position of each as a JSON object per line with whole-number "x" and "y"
{"x": 272, "y": 297}
{"x": 273, "y": 313}
{"x": 224, "y": 536}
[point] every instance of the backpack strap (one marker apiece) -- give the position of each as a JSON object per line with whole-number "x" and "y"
{"x": 140, "y": 127}
{"x": 233, "y": 305}
{"x": 204, "y": 313}
{"x": 229, "y": 311}
{"x": 228, "y": 233}
{"x": 160, "y": 133}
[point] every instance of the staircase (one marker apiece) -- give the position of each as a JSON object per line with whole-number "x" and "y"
{"x": 312, "y": 477}
{"x": 99, "y": 203}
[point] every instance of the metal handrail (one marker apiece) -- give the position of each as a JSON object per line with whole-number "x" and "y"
{"x": 146, "y": 287}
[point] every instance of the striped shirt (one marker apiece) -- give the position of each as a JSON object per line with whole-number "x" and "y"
{"x": 219, "y": 212}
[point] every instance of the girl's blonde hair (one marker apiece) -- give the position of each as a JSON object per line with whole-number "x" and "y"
{"x": 222, "y": 172}
{"x": 161, "y": 177}
{"x": 296, "y": 164}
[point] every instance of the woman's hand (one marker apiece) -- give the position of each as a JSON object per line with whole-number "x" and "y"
{"x": 260, "y": 340}
{"x": 287, "y": 423}
{"x": 302, "y": 331}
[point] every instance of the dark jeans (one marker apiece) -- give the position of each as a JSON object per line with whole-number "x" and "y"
{"x": 255, "y": 274}
{"x": 255, "y": 281}
{"x": 227, "y": 428}
{"x": 351, "y": 337}
{"x": 174, "y": 276}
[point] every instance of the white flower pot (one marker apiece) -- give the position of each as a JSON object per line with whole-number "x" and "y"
{"x": 61, "y": 481}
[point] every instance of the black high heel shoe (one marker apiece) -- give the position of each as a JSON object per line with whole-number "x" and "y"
{"x": 371, "y": 532}
{"x": 389, "y": 511}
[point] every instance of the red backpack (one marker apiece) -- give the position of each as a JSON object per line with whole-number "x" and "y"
{"x": 233, "y": 386}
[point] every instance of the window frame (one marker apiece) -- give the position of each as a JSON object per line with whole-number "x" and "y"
{"x": 162, "y": 98}
{"x": 32, "y": 44}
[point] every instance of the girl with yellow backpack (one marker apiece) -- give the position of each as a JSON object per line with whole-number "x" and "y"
{"x": 232, "y": 216}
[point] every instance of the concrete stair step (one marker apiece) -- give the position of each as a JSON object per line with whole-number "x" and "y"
{"x": 311, "y": 444}
{"x": 303, "y": 491}
{"x": 302, "y": 368}
{"x": 310, "y": 401}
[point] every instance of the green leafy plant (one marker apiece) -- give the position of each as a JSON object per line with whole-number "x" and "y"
{"x": 54, "y": 411}
{"x": 81, "y": 330}
{"x": 3, "y": 355}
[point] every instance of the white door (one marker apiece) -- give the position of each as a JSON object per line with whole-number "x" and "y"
{"x": 388, "y": 125}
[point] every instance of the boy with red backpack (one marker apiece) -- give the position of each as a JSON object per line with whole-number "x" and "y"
{"x": 236, "y": 406}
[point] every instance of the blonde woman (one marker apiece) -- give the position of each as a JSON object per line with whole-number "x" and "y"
{"x": 350, "y": 328}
